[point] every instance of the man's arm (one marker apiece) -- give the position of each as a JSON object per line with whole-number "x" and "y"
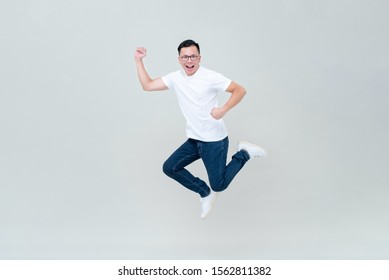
{"x": 237, "y": 94}
{"x": 147, "y": 83}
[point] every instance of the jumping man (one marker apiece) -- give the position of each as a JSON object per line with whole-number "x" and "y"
{"x": 197, "y": 91}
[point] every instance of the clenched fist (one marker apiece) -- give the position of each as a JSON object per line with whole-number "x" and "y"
{"x": 218, "y": 113}
{"x": 140, "y": 53}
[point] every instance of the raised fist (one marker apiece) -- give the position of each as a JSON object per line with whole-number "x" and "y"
{"x": 140, "y": 53}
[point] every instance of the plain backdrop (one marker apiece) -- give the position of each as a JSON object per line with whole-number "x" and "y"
{"x": 82, "y": 146}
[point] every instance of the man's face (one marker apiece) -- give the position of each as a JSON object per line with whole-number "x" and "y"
{"x": 190, "y": 60}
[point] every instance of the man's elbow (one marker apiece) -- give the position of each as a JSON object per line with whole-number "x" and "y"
{"x": 154, "y": 85}
{"x": 242, "y": 91}
{"x": 146, "y": 88}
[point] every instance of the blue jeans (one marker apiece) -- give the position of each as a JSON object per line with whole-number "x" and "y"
{"x": 214, "y": 157}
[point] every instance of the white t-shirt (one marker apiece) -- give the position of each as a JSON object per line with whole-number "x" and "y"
{"x": 197, "y": 96}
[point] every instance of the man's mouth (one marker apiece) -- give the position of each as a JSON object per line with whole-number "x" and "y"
{"x": 189, "y": 67}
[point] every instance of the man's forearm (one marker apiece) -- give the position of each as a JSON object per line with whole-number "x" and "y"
{"x": 143, "y": 76}
{"x": 236, "y": 96}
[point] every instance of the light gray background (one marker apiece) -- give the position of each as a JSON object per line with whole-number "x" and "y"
{"x": 82, "y": 146}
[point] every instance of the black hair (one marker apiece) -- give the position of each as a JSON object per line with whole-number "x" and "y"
{"x": 188, "y": 43}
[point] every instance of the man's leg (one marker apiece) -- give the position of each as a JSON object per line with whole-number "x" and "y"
{"x": 214, "y": 156}
{"x": 174, "y": 167}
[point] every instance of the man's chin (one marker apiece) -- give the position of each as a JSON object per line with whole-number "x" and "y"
{"x": 190, "y": 71}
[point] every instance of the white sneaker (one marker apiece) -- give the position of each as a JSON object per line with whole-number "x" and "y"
{"x": 207, "y": 203}
{"x": 253, "y": 150}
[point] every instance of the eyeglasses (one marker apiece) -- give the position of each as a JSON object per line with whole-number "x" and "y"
{"x": 193, "y": 57}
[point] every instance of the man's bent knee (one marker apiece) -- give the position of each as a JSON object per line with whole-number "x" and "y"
{"x": 167, "y": 169}
{"x": 218, "y": 187}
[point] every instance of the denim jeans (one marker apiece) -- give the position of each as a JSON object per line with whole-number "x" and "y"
{"x": 214, "y": 157}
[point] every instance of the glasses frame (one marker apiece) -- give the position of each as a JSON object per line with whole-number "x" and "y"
{"x": 192, "y": 57}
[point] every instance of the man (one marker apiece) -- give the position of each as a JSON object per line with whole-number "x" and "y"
{"x": 196, "y": 88}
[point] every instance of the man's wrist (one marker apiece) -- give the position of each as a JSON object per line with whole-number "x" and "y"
{"x": 225, "y": 109}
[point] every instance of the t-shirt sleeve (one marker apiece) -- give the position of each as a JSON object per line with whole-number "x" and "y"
{"x": 167, "y": 79}
{"x": 220, "y": 82}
